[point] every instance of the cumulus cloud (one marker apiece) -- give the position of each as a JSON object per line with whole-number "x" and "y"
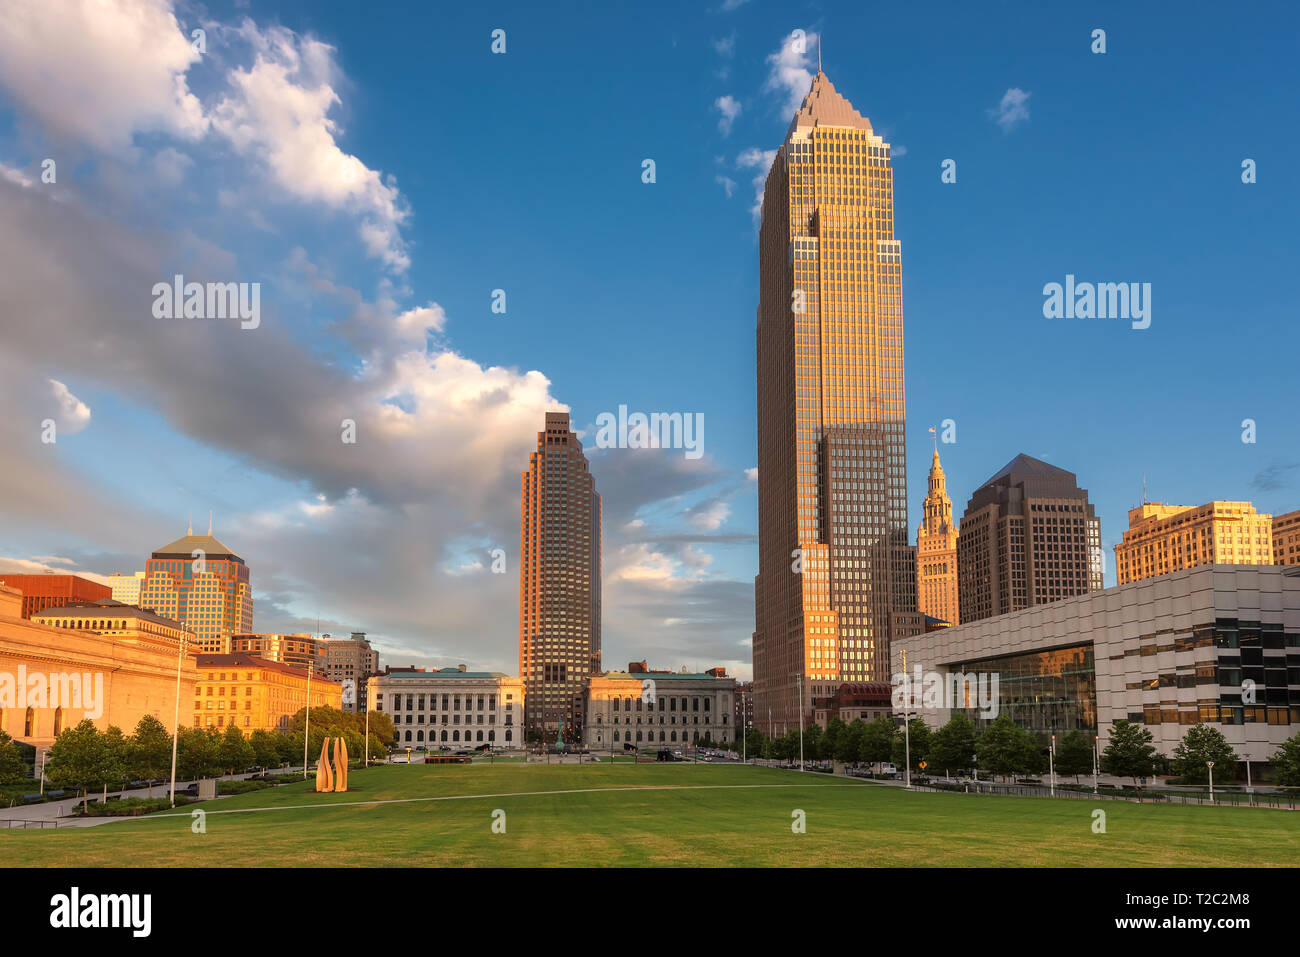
{"x": 73, "y": 414}
{"x": 760, "y": 161}
{"x": 100, "y": 71}
{"x": 789, "y": 71}
{"x": 277, "y": 112}
{"x": 729, "y": 108}
{"x": 1012, "y": 110}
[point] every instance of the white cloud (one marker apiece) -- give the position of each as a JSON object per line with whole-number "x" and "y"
{"x": 751, "y": 475}
{"x": 789, "y": 72}
{"x": 730, "y": 108}
{"x": 726, "y": 47}
{"x": 760, "y": 160}
{"x": 710, "y": 516}
{"x": 727, "y": 183}
{"x": 278, "y": 111}
{"x": 1013, "y": 110}
{"x": 729, "y": 5}
{"x": 100, "y": 71}
{"x": 15, "y": 176}
{"x": 74, "y": 415}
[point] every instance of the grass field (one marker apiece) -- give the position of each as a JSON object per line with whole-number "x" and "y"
{"x": 666, "y": 815}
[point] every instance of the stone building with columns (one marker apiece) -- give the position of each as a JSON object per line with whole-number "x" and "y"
{"x": 659, "y": 709}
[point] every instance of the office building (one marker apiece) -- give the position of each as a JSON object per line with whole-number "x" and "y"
{"x": 1168, "y": 538}
{"x": 297, "y": 649}
{"x": 252, "y": 693}
{"x": 201, "y": 583}
{"x": 126, "y": 588}
{"x": 1029, "y": 536}
{"x": 559, "y": 580}
{"x": 1286, "y": 539}
{"x": 350, "y": 661}
{"x": 837, "y": 574}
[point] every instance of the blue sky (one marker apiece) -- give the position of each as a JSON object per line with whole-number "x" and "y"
{"x": 423, "y": 172}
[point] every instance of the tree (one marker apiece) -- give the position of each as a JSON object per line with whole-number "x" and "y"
{"x": 152, "y": 754}
{"x": 288, "y": 747}
{"x": 1286, "y": 763}
{"x": 116, "y": 758}
{"x": 878, "y": 740}
{"x": 12, "y": 766}
{"x": 235, "y": 751}
{"x": 1004, "y": 748}
{"x": 1074, "y": 755}
{"x": 1203, "y": 743}
{"x": 1129, "y": 753}
{"x": 952, "y": 746}
{"x": 266, "y": 754}
{"x": 198, "y": 754}
{"x": 812, "y": 739}
{"x": 849, "y": 746}
{"x": 918, "y": 746}
{"x": 76, "y": 758}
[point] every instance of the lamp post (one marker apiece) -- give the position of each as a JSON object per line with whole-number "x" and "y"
{"x": 176, "y": 713}
{"x": 1051, "y": 765}
{"x": 1096, "y": 757}
{"x": 800, "y": 720}
{"x": 1210, "y": 765}
{"x": 907, "y": 746}
{"x": 367, "y": 762}
{"x": 306, "y": 733}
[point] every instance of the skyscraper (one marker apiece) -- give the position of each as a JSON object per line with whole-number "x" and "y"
{"x": 836, "y": 573}
{"x": 936, "y": 551}
{"x": 201, "y": 583}
{"x": 1029, "y": 536}
{"x": 559, "y": 580}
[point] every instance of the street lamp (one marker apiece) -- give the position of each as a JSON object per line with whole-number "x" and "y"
{"x": 176, "y": 714}
{"x": 1210, "y": 765}
{"x": 907, "y": 745}
{"x": 1051, "y": 764}
{"x": 307, "y": 728}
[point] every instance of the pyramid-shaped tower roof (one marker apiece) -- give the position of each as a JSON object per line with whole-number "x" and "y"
{"x": 824, "y": 106}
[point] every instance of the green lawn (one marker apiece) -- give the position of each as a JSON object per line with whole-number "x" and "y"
{"x": 679, "y": 814}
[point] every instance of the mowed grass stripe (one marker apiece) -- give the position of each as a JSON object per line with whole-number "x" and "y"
{"x": 674, "y": 815}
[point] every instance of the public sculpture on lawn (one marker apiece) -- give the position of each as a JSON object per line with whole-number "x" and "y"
{"x": 340, "y": 765}
{"x": 332, "y": 775}
{"x": 324, "y": 780}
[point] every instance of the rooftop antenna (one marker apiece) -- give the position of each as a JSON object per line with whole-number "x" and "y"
{"x": 819, "y": 53}
{"x": 1144, "y": 488}
{"x": 190, "y": 531}
{"x": 209, "y": 524}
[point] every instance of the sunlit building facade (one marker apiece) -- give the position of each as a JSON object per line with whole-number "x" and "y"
{"x": 1286, "y": 539}
{"x": 252, "y": 693}
{"x": 201, "y": 583}
{"x": 936, "y": 551}
{"x": 559, "y": 580}
{"x": 836, "y": 572}
{"x": 1167, "y": 538}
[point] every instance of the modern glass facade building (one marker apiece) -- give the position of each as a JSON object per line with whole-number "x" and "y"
{"x": 836, "y": 573}
{"x": 201, "y": 583}
{"x": 1215, "y": 644}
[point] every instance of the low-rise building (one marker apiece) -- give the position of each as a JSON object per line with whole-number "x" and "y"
{"x": 351, "y": 660}
{"x": 104, "y": 661}
{"x": 297, "y": 649}
{"x": 1167, "y": 538}
{"x": 867, "y": 700}
{"x": 1218, "y": 644}
{"x": 451, "y": 707}
{"x": 1286, "y": 539}
{"x": 252, "y": 693}
{"x": 658, "y": 709}
{"x": 41, "y": 591}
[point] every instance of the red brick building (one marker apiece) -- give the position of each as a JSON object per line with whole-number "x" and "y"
{"x": 42, "y": 591}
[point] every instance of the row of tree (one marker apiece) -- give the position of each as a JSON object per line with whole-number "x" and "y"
{"x": 1004, "y": 749}
{"x": 84, "y": 759}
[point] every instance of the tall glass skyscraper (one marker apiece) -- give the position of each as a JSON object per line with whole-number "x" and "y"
{"x": 201, "y": 583}
{"x": 836, "y": 574}
{"x": 559, "y": 580}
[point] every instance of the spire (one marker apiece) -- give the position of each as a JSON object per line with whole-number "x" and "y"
{"x": 823, "y": 106}
{"x": 819, "y": 53}
{"x": 190, "y": 530}
{"x": 209, "y": 523}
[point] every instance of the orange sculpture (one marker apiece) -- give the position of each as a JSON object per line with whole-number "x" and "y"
{"x": 340, "y": 765}
{"x": 324, "y": 780}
